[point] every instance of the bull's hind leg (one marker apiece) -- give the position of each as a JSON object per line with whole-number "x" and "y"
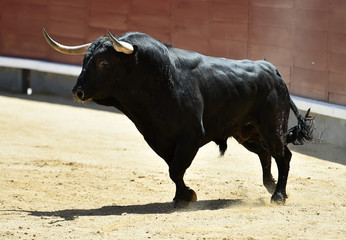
{"x": 257, "y": 146}
{"x": 272, "y": 128}
{"x": 282, "y": 155}
{"x": 283, "y": 163}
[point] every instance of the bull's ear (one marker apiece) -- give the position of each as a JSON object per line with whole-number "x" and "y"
{"x": 120, "y": 46}
{"x": 135, "y": 49}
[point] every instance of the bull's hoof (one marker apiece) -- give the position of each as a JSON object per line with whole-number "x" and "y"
{"x": 278, "y": 198}
{"x": 270, "y": 185}
{"x": 193, "y": 196}
{"x": 183, "y": 200}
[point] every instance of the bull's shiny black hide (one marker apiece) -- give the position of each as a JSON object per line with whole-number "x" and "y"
{"x": 180, "y": 100}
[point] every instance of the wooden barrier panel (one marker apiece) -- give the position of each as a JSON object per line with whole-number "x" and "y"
{"x": 305, "y": 39}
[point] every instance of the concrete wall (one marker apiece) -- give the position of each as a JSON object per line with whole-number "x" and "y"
{"x": 10, "y": 79}
{"x": 41, "y": 82}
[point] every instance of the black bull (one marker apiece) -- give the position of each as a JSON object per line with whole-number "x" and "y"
{"x": 180, "y": 100}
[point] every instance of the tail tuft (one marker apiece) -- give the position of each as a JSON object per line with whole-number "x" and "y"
{"x": 303, "y": 132}
{"x": 222, "y": 146}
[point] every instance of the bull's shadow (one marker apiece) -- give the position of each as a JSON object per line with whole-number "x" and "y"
{"x": 151, "y": 208}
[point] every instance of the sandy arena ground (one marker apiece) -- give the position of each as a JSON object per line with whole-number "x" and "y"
{"x": 70, "y": 172}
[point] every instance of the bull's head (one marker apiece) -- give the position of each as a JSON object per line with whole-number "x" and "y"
{"x": 98, "y": 64}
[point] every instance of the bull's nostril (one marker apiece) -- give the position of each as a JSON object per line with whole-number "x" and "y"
{"x": 79, "y": 94}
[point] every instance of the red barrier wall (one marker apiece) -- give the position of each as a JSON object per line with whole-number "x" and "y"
{"x": 305, "y": 39}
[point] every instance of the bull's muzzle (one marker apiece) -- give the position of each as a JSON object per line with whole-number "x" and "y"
{"x": 80, "y": 96}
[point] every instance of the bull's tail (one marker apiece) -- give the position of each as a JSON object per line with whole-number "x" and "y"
{"x": 303, "y": 132}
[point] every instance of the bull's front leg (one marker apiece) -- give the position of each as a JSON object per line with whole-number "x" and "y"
{"x": 185, "y": 152}
{"x": 183, "y": 195}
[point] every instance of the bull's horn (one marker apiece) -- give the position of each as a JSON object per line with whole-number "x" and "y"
{"x": 71, "y": 50}
{"x": 120, "y": 46}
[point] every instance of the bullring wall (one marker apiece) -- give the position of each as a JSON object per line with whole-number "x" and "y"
{"x": 305, "y": 39}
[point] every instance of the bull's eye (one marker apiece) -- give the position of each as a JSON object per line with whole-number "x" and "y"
{"x": 104, "y": 64}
